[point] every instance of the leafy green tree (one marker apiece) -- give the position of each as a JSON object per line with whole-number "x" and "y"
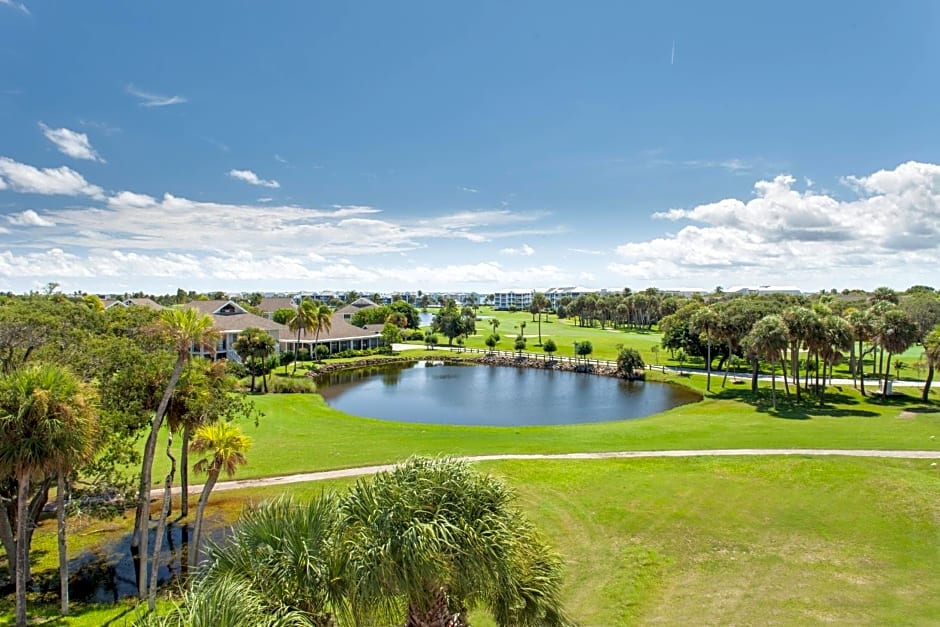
{"x": 491, "y": 341}
{"x": 283, "y": 315}
{"x": 801, "y": 323}
{"x": 391, "y": 334}
{"x": 519, "y": 345}
{"x": 550, "y": 347}
{"x": 224, "y": 445}
{"x": 450, "y": 321}
{"x": 629, "y": 361}
{"x": 430, "y": 340}
{"x": 48, "y": 425}
{"x": 583, "y": 349}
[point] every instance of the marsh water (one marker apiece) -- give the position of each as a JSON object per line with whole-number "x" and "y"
{"x": 491, "y": 395}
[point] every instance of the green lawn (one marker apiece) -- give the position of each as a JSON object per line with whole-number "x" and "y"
{"x": 709, "y": 541}
{"x": 301, "y": 433}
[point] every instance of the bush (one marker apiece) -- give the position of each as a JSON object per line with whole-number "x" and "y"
{"x": 291, "y": 385}
{"x": 321, "y": 351}
{"x": 629, "y": 361}
{"x": 236, "y": 369}
{"x": 416, "y": 336}
{"x": 287, "y": 357}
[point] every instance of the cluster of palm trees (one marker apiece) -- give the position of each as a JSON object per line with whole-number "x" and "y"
{"x": 638, "y": 310}
{"x": 419, "y": 545}
{"x": 312, "y": 316}
{"x": 807, "y": 340}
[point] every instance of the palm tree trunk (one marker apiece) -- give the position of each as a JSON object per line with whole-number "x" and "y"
{"x": 161, "y": 524}
{"x": 884, "y": 386}
{"x": 146, "y": 476}
{"x": 22, "y": 546}
{"x": 540, "y": 328}
{"x": 852, "y": 366}
{"x": 773, "y": 383}
{"x": 184, "y": 471}
{"x": 438, "y": 615}
{"x": 200, "y": 511}
{"x": 755, "y": 371}
{"x": 296, "y": 352}
{"x": 708, "y": 365}
{"x": 861, "y": 367}
{"x": 727, "y": 365}
{"x": 63, "y": 549}
{"x": 925, "y": 396}
{"x": 783, "y": 369}
{"x": 795, "y": 366}
{"x": 8, "y": 539}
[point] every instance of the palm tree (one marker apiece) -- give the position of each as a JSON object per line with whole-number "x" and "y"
{"x": 183, "y": 328}
{"x": 800, "y": 321}
{"x": 48, "y": 424}
{"x": 226, "y": 445}
{"x": 303, "y": 320}
{"x": 895, "y": 334}
{"x": 436, "y": 537}
{"x": 539, "y": 304}
{"x": 768, "y": 340}
{"x": 932, "y": 353}
{"x": 861, "y": 323}
{"x": 705, "y": 320}
{"x": 322, "y": 321}
{"x": 257, "y": 345}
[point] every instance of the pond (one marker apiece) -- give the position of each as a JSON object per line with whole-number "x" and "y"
{"x": 492, "y": 395}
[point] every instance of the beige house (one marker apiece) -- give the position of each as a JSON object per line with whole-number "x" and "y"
{"x": 339, "y": 337}
{"x": 230, "y": 319}
{"x": 129, "y": 302}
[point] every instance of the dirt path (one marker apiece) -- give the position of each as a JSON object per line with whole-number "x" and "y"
{"x": 369, "y": 470}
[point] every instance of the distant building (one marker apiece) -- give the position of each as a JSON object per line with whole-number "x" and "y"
{"x": 230, "y": 319}
{"x": 354, "y": 307}
{"x": 763, "y": 289}
{"x": 128, "y": 302}
{"x": 269, "y": 305}
{"x": 508, "y": 299}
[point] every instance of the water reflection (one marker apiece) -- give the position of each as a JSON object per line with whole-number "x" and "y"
{"x": 489, "y": 395}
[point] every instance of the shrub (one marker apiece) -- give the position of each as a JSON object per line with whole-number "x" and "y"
{"x": 629, "y": 361}
{"x": 291, "y": 385}
{"x": 416, "y": 336}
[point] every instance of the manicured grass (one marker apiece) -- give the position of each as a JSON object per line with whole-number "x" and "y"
{"x": 301, "y": 433}
{"x": 774, "y": 540}
{"x": 741, "y": 541}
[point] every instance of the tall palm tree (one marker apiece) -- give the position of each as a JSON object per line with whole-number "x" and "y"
{"x": 48, "y": 424}
{"x": 768, "y": 340}
{"x": 800, "y": 322}
{"x": 182, "y": 328}
{"x": 323, "y": 321}
{"x": 447, "y": 538}
{"x": 303, "y": 321}
{"x": 257, "y": 345}
{"x": 895, "y": 334}
{"x": 932, "y": 353}
{"x": 861, "y": 324}
{"x": 539, "y": 304}
{"x": 705, "y": 321}
{"x": 225, "y": 446}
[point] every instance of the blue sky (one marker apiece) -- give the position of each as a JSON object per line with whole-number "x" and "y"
{"x": 479, "y": 146}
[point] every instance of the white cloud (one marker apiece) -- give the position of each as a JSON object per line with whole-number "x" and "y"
{"x": 469, "y": 190}
{"x": 265, "y": 199}
{"x": 16, "y": 5}
{"x": 71, "y": 143}
{"x": 29, "y": 218}
{"x": 893, "y": 224}
{"x": 252, "y": 179}
{"x": 525, "y": 250}
{"x": 28, "y": 179}
{"x": 280, "y": 159}
{"x": 153, "y": 100}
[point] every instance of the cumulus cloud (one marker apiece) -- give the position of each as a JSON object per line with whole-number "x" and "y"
{"x": 65, "y": 181}
{"x": 71, "y": 143}
{"x": 29, "y": 218}
{"x": 252, "y": 179}
{"x": 148, "y": 99}
{"x": 525, "y": 250}
{"x": 893, "y": 221}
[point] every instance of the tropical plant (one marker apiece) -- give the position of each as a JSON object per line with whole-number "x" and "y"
{"x": 932, "y": 355}
{"x": 539, "y": 304}
{"x": 447, "y": 539}
{"x": 768, "y": 340}
{"x": 491, "y": 341}
{"x": 224, "y": 445}
{"x": 583, "y": 349}
{"x": 705, "y": 321}
{"x": 519, "y": 345}
{"x": 322, "y": 321}
{"x": 256, "y": 345}
{"x": 550, "y": 347}
{"x": 181, "y": 328}
{"x": 305, "y": 318}
{"x": 48, "y": 426}
{"x": 896, "y": 332}
{"x": 629, "y": 362}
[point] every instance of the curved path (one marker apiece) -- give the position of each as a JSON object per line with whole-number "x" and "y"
{"x": 370, "y": 470}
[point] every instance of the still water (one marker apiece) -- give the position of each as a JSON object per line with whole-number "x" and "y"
{"x": 490, "y": 395}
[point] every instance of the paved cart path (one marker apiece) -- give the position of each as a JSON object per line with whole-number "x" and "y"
{"x": 727, "y": 452}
